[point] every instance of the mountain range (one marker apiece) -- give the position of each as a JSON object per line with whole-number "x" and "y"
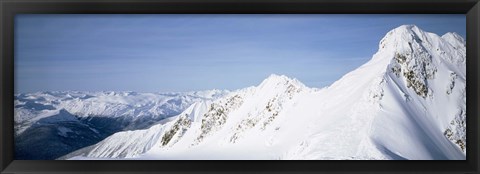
{"x": 407, "y": 102}
{"x": 61, "y": 122}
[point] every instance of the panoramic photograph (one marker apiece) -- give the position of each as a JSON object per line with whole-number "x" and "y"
{"x": 240, "y": 87}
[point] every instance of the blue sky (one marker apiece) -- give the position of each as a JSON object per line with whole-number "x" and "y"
{"x": 163, "y": 53}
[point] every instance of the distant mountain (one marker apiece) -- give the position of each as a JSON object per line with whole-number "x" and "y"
{"x": 61, "y": 122}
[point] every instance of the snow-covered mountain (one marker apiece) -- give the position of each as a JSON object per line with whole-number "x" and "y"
{"x": 131, "y": 106}
{"x": 66, "y": 121}
{"x": 203, "y": 119}
{"x": 407, "y": 102}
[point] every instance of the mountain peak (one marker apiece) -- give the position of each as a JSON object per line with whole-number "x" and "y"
{"x": 277, "y": 76}
{"x": 402, "y": 34}
{"x": 275, "y": 80}
{"x": 407, "y": 27}
{"x": 411, "y": 40}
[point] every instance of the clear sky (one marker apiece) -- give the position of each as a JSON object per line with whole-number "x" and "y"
{"x": 165, "y": 53}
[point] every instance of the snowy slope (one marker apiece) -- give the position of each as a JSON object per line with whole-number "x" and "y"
{"x": 400, "y": 116}
{"x": 427, "y": 79}
{"x": 260, "y": 104}
{"x": 407, "y": 102}
{"x": 131, "y": 143}
{"x": 62, "y": 122}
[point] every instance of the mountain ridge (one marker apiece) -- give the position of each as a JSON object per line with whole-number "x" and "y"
{"x": 407, "y": 102}
{"x": 393, "y": 88}
{"x": 413, "y": 88}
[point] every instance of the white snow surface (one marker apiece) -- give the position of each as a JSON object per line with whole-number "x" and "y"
{"x": 407, "y": 102}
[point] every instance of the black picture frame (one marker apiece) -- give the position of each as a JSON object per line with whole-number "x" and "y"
{"x": 9, "y": 8}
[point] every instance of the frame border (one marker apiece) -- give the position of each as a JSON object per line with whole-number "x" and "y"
{"x": 9, "y": 8}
